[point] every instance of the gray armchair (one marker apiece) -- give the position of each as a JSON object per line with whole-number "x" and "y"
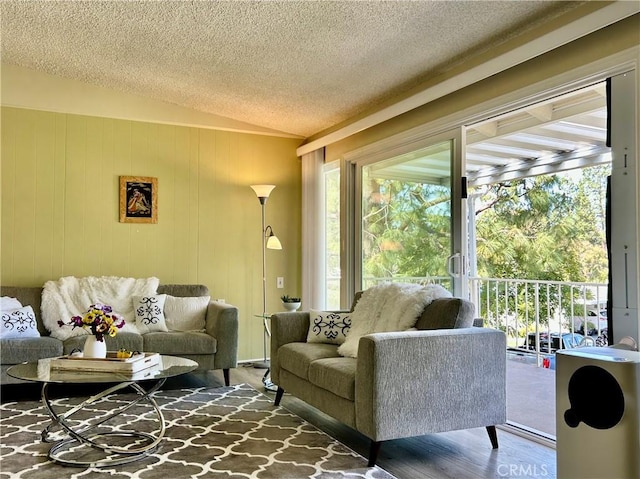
{"x": 402, "y": 384}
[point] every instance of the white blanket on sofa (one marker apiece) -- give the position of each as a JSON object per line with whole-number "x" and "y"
{"x": 388, "y": 307}
{"x": 71, "y": 296}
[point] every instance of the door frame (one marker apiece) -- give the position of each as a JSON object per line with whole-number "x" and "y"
{"x": 353, "y": 163}
{"x": 624, "y": 262}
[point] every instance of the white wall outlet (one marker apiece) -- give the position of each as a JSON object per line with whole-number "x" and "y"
{"x": 280, "y": 282}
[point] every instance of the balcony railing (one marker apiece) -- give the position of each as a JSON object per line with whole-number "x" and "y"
{"x": 535, "y": 314}
{"x": 445, "y": 281}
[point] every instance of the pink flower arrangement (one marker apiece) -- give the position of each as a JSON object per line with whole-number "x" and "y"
{"x": 99, "y": 319}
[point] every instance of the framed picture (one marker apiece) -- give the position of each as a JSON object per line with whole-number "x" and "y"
{"x": 138, "y": 199}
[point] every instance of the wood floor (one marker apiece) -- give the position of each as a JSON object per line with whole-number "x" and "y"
{"x": 459, "y": 454}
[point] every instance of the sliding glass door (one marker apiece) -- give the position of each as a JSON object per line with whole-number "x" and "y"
{"x": 410, "y": 216}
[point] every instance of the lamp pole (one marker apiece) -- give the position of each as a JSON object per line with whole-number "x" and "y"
{"x": 263, "y": 192}
{"x": 265, "y": 364}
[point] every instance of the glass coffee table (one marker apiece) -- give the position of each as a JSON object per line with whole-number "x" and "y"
{"x": 114, "y": 446}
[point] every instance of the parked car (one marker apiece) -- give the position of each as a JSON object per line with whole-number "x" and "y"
{"x": 531, "y": 340}
{"x": 558, "y": 341}
{"x": 596, "y": 322}
{"x": 563, "y": 341}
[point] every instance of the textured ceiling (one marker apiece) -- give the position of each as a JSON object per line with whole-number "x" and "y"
{"x": 294, "y": 66}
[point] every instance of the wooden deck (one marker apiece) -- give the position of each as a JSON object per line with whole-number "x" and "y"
{"x": 531, "y": 394}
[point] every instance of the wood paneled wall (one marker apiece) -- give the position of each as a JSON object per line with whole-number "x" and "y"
{"x": 60, "y": 185}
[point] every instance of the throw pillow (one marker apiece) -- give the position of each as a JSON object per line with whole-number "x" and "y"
{"x": 19, "y": 323}
{"x": 186, "y": 314}
{"x": 388, "y": 307}
{"x": 9, "y": 304}
{"x": 328, "y": 327}
{"x": 149, "y": 312}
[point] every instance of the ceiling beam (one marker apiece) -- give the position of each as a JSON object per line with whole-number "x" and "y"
{"x": 542, "y": 112}
{"x": 516, "y": 125}
{"x": 598, "y": 155}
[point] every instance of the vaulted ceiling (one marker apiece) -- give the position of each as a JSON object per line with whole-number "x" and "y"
{"x": 298, "y": 67}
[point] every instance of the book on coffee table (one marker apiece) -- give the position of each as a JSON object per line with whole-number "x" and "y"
{"x": 111, "y": 363}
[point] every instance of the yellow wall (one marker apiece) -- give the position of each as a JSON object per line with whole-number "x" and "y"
{"x": 60, "y": 208}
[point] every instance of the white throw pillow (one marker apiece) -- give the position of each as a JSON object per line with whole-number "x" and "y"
{"x": 19, "y": 323}
{"x": 186, "y": 314}
{"x": 9, "y": 304}
{"x": 329, "y": 327}
{"x": 149, "y": 313}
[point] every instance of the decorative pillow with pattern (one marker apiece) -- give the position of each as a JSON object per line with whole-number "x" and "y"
{"x": 186, "y": 313}
{"x": 149, "y": 311}
{"x": 19, "y": 323}
{"x": 328, "y": 326}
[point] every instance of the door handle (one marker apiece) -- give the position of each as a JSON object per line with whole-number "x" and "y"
{"x": 453, "y": 265}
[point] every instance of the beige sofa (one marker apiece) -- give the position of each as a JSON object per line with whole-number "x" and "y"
{"x": 446, "y": 375}
{"x": 216, "y": 348}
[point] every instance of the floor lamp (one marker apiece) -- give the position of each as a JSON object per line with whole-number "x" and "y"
{"x": 271, "y": 241}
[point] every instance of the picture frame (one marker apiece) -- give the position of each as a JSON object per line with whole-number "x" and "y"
{"x": 138, "y": 199}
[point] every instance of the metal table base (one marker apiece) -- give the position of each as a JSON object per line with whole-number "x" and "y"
{"x": 140, "y": 444}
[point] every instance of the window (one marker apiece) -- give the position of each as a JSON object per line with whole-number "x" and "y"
{"x": 406, "y": 217}
{"x": 332, "y": 236}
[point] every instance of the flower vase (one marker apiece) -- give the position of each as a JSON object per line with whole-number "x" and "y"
{"x": 94, "y": 348}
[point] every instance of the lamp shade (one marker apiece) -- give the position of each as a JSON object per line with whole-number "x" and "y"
{"x": 273, "y": 242}
{"x": 263, "y": 191}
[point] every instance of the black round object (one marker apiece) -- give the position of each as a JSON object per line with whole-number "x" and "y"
{"x": 596, "y": 399}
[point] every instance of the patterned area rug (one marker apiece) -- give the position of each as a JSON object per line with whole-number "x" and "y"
{"x": 229, "y": 432}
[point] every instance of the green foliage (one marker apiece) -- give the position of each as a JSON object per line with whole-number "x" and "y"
{"x": 545, "y": 228}
{"x": 542, "y": 228}
{"x": 289, "y": 299}
{"x": 406, "y": 229}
